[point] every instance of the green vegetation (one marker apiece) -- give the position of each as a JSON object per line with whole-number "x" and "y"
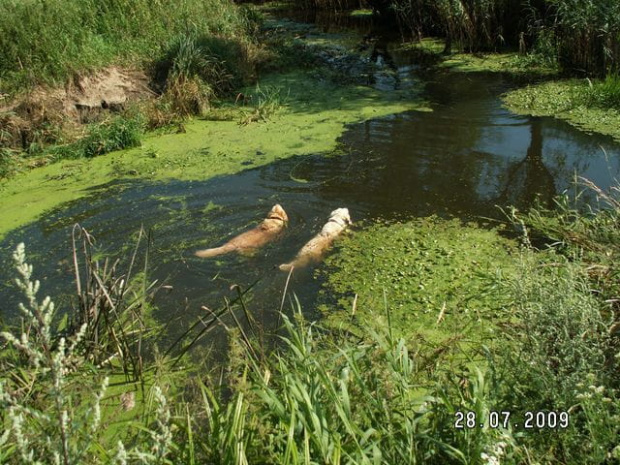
{"x": 422, "y": 319}
{"x": 116, "y": 134}
{"x": 579, "y": 36}
{"x": 186, "y": 54}
{"x": 514, "y": 64}
{"x": 449, "y": 318}
{"x": 522, "y": 329}
{"x": 53, "y": 39}
{"x": 330, "y": 4}
{"x": 606, "y": 93}
{"x": 439, "y": 279}
{"x": 589, "y": 105}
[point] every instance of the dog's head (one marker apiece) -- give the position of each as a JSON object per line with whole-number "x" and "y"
{"x": 278, "y": 213}
{"x": 340, "y": 215}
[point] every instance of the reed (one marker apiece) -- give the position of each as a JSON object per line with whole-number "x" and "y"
{"x": 582, "y": 36}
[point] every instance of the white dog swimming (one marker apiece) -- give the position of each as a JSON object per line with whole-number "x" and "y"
{"x": 339, "y": 219}
{"x": 267, "y": 231}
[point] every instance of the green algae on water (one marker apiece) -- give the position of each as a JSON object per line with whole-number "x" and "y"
{"x": 510, "y": 63}
{"x": 438, "y": 279}
{"x": 565, "y": 100}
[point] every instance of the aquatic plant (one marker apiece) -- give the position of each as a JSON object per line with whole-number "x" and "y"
{"x": 268, "y": 100}
{"x": 440, "y": 279}
{"x": 335, "y": 5}
{"x": 582, "y": 103}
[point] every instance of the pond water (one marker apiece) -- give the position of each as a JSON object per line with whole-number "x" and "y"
{"x": 463, "y": 159}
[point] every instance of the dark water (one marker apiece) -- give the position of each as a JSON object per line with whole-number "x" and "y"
{"x": 463, "y": 159}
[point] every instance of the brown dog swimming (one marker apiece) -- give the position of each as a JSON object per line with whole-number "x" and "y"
{"x": 339, "y": 219}
{"x": 267, "y": 231}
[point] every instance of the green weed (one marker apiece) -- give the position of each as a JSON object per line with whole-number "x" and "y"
{"x": 115, "y": 134}
{"x": 605, "y": 93}
{"x": 9, "y": 162}
{"x": 268, "y": 102}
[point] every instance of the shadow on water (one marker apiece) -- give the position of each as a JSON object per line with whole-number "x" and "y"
{"x": 463, "y": 159}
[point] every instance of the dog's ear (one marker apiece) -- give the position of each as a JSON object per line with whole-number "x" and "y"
{"x": 344, "y": 214}
{"x": 278, "y": 212}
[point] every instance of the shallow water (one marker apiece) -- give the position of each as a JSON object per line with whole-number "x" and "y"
{"x": 463, "y": 159}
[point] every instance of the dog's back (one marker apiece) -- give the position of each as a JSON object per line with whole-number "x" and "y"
{"x": 268, "y": 230}
{"x": 313, "y": 250}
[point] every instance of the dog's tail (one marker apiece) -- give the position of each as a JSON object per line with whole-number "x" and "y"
{"x": 299, "y": 262}
{"x": 286, "y": 266}
{"x": 206, "y": 253}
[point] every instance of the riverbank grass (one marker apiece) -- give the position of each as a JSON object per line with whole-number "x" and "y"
{"x": 590, "y": 105}
{"x": 53, "y": 40}
{"x": 501, "y": 318}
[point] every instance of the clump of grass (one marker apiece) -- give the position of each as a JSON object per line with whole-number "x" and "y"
{"x": 10, "y": 162}
{"x": 117, "y": 133}
{"x": 605, "y": 93}
{"x": 186, "y": 97}
{"x": 268, "y": 101}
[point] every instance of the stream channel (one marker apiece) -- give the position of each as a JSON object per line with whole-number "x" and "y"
{"x": 463, "y": 159}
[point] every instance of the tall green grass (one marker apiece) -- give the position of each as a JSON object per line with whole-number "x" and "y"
{"x": 604, "y": 93}
{"x": 48, "y": 40}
